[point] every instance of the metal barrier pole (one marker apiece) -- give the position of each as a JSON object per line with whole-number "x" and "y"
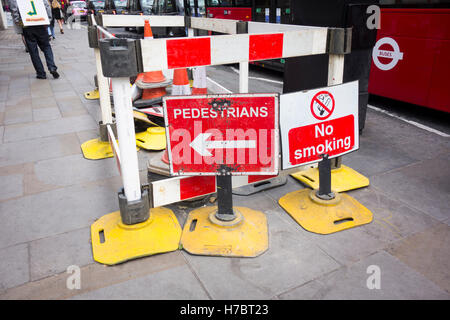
{"x": 243, "y": 77}
{"x": 103, "y": 89}
{"x": 127, "y": 138}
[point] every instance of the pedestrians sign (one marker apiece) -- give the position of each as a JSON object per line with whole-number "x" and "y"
{"x": 33, "y": 12}
{"x": 207, "y": 133}
{"x": 318, "y": 122}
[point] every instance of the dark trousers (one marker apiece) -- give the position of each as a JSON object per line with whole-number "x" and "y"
{"x": 37, "y": 36}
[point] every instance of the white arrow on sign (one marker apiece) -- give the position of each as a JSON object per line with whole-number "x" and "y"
{"x": 201, "y": 145}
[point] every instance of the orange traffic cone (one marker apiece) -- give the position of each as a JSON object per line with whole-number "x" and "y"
{"x": 152, "y": 83}
{"x": 199, "y": 81}
{"x": 180, "y": 84}
{"x": 165, "y": 157}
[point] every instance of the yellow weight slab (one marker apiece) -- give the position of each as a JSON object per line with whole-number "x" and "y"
{"x": 96, "y": 149}
{"x": 246, "y": 236}
{"x": 92, "y": 95}
{"x": 154, "y": 138}
{"x": 114, "y": 242}
{"x": 324, "y": 216}
{"x": 342, "y": 178}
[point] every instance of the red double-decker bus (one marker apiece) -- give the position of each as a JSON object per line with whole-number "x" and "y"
{"x": 410, "y": 60}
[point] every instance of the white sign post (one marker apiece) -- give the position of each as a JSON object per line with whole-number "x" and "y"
{"x": 33, "y": 12}
{"x": 317, "y": 122}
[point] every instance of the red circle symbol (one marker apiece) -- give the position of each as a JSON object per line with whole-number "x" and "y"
{"x": 322, "y": 105}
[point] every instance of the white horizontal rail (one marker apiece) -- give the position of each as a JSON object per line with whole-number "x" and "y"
{"x": 216, "y": 25}
{"x": 263, "y": 27}
{"x": 120, "y": 20}
{"x": 159, "y": 54}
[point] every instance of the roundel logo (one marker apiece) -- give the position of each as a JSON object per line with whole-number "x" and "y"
{"x": 386, "y": 54}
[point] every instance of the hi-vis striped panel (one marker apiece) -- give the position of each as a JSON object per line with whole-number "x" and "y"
{"x": 159, "y": 54}
{"x": 176, "y": 189}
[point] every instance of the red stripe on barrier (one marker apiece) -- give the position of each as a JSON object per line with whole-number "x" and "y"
{"x": 265, "y": 46}
{"x": 182, "y": 53}
{"x": 252, "y": 179}
{"x": 197, "y": 186}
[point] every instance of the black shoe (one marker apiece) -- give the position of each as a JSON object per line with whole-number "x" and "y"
{"x": 41, "y": 77}
{"x": 55, "y": 74}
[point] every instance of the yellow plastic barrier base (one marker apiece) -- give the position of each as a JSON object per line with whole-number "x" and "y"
{"x": 92, "y": 95}
{"x": 114, "y": 242}
{"x": 246, "y": 236}
{"x": 324, "y": 216}
{"x": 154, "y": 138}
{"x": 96, "y": 149}
{"x": 342, "y": 178}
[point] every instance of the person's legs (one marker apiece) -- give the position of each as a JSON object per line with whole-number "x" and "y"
{"x": 44, "y": 45}
{"x": 52, "y": 28}
{"x": 60, "y": 25}
{"x": 32, "y": 45}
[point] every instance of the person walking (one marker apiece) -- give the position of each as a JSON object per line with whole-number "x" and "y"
{"x": 36, "y": 36}
{"x": 64, "y": 5}
{"x": 51, "y": 27}
{"x": 56, "y": 13}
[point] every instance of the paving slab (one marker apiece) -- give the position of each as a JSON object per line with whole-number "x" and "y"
{"x": 11, "y": 186}
{"x": 38, "y": 149}
{"x": 43, "y": 114}
{"x": 52, "y": 255}
{"x": 424, "y": 186}
{"x": 427, "y": 252}
{"x": 18, "y": 115}
{"x": 17, "y": 102}
{"x": 290, "y": 261}
{"x": 20, "y": 132}
{"x": 397, "y": 282}
{"x": 96, "y": 276}
{"x": 54, "y": 212}
{"x": 45, "y": 102}
{"x": 71, "y": 106}
{"x": 56, "y": 171}
{"x": 178, "y": 283}
{"x": 14, "y": 268}
{"x": 387, "y": 143}
{"x": 393, "y": 219}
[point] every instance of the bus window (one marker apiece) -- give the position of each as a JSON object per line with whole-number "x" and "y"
{"x": 219, "y": 3}
{"x": 243, "y": 3}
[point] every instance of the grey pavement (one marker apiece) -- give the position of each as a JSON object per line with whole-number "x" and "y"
{"x": 50, "y": 195}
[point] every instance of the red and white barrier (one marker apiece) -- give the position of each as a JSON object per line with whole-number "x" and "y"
{"x": 176, "y": 189}
{"x": 175, "y": 53}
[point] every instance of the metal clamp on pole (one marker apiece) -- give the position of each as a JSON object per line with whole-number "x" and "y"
{"x": 134, "y": 212}
{"x": 118, "y": 57}
{"x": 225, "y": 196}
{"x": 93, "y": 36}
{"x": 324, "y": 191}
{"x": 339, "y": 40}
{"x": 242, "y": 27}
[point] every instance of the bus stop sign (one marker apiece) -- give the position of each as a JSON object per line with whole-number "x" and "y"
{"x": 233, "y": 134}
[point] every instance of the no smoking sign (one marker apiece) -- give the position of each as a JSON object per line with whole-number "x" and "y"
{"x": 317, "y": 122}
{"x": 322, "y": 105}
